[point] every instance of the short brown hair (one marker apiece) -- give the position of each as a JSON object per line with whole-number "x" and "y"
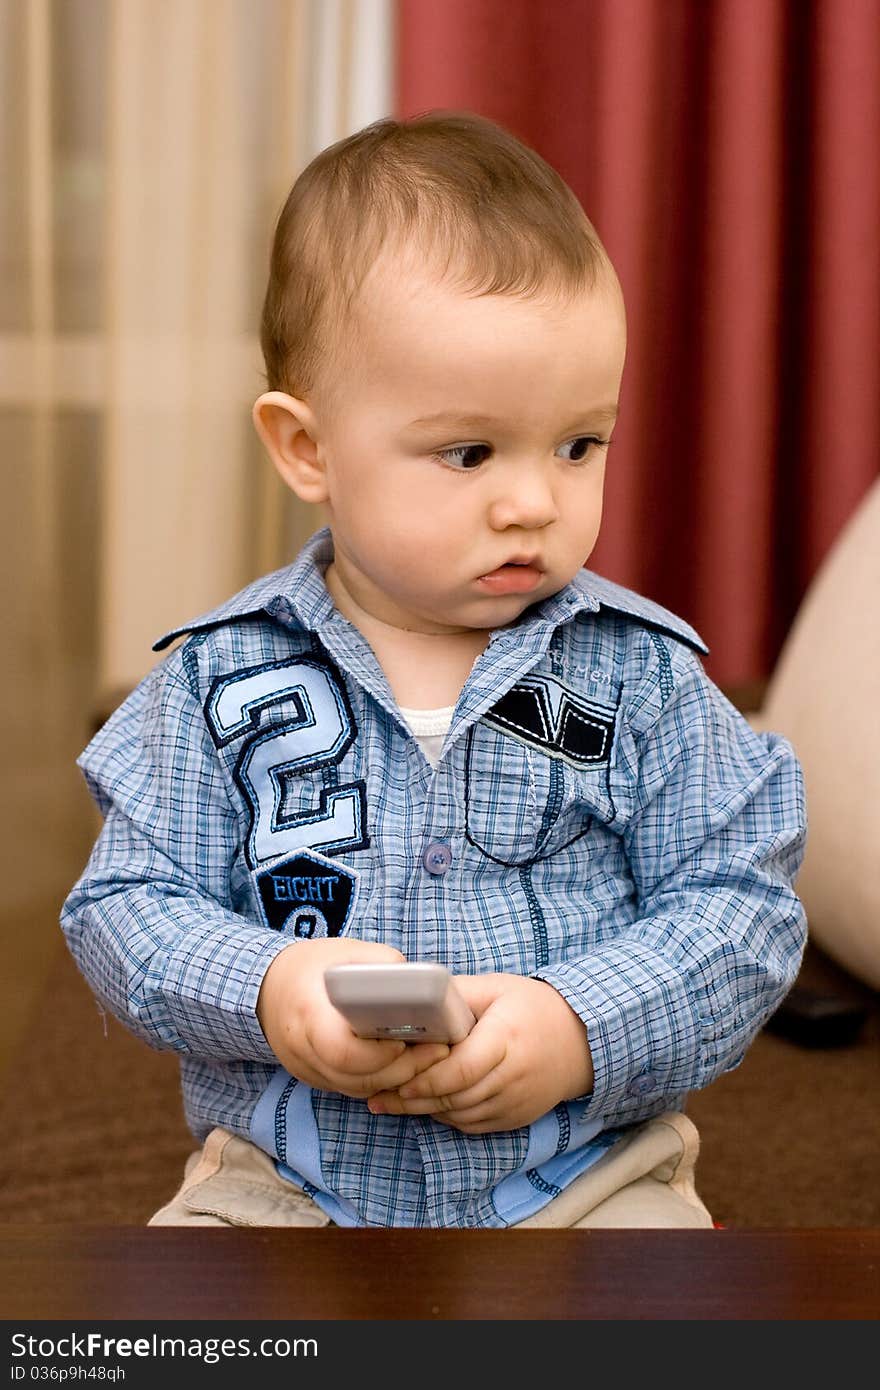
{"x": 489, "y": 211}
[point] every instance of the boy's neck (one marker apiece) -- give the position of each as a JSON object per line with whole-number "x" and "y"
{"x": 425, "y": 670}
{"x": 351, "y": 608}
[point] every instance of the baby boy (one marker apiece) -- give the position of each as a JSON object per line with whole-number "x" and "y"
{"x": 436, "y": 736}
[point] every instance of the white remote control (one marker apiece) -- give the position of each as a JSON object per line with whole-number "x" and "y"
{"x": 410, "y": 1002}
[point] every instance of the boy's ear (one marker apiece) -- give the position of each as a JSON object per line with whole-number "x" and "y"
{"x": 289, "y": 432}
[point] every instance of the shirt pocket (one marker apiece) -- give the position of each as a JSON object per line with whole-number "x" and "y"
{"x": 526, "y": 796}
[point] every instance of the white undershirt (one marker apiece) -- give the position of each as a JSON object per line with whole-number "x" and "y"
{"x": 429, "y": 728}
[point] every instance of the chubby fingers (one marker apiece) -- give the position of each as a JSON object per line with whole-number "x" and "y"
{"x": 476, "y": 1102}
{"x": 363, "y": 1074}
{"x": 468, "y": 1076}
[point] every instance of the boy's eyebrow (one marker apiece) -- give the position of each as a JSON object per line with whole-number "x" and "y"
{"x": 451, "y": 417}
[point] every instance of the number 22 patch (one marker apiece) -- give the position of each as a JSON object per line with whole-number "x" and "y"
{"x": 292, "y": 723}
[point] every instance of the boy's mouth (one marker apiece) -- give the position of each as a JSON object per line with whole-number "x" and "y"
{"x": 516, "y": 577}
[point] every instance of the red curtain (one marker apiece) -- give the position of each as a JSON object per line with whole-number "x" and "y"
{"x": 728, "y": 153}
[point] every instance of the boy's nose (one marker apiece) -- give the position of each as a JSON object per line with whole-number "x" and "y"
{"x": 527, "y": 501}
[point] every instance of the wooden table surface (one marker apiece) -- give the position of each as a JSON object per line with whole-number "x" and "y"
{"x": 75, "y": 1273}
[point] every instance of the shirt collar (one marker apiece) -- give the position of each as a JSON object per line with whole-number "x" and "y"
{"x": 298, "y": 593}
{"x": 589, "y": 592}
{"x": 604, "y": 593}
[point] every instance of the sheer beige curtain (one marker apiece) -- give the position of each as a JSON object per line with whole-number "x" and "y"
{"x": 213, "y": 105}
{"x": 145, "y": 149}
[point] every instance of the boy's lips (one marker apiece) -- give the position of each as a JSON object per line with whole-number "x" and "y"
{"x": 516, "y": 577}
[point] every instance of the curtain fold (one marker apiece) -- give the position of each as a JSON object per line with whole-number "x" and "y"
{"x": 180, "y": 362}
{"x": 727, "y": 153}
{"x": 146, "y": 148}
{"x": 207, "y": 125}
{"x": 214, "y": 107}
{"x": 841, "y": 285}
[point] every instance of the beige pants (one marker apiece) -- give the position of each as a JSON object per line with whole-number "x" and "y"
{"x": 645, "y": 1180}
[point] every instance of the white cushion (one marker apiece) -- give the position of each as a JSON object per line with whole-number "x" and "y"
{"x": 824, "y": 695}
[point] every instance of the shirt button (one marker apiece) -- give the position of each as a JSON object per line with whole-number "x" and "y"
{"x": 641, "y": 1085}
{"x": 437, "y": 858}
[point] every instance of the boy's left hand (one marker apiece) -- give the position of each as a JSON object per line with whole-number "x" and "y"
{"x": 527, "y": 1051}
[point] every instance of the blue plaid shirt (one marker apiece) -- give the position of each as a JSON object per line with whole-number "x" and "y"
{"x": 601, "y": 818}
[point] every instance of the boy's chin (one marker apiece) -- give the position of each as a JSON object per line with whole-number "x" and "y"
{"x": 504, "y": 612}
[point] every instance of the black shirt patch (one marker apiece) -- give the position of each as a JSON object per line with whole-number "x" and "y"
{"x": 546, "y": 714}
{"x": 307, "y": 895}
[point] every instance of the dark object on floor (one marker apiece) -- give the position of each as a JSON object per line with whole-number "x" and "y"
{"x": 813, "y": 1019}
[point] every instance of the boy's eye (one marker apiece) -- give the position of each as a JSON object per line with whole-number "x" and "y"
{"x": 464, "y": 455}
{"x": 582, "y": 446}
{"x": 467, "y": 457}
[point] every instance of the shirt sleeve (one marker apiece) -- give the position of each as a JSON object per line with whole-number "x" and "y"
{"x": 714, "y": 837}
{"x": 151, "y": 922}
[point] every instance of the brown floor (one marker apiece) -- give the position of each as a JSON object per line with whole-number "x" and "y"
{"x": 48, "y": 635}
{"x": 792, "y": 1137}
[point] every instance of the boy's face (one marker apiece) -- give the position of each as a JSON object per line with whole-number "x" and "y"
{"x": 464, "y": 521}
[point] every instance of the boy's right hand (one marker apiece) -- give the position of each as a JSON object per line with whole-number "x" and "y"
{"x": 310, "y": 1037}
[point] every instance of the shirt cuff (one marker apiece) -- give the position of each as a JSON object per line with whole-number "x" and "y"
{"x": 209, "y": 989}
{"x": 643, "y": 1027}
